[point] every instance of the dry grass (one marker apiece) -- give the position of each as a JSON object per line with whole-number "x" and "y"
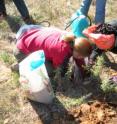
{"x": 58, "y": 12}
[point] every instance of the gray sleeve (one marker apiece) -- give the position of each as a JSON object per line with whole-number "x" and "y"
{"x": 113, "y": 23}
{"x": 95, "y": 53}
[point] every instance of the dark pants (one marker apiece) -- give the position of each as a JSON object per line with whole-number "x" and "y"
{"x": 2, "y": 7}
{"x": 21, "y": 6}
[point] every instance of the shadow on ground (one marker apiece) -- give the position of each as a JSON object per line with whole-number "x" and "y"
{"x": 110, "y": 61}
{"x": 53, "y": 114}
{"x": 14, "y": 23}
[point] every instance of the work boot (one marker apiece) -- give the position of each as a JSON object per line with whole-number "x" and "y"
{"x": 3, "y": 15}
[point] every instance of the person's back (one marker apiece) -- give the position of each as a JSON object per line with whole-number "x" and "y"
{"x": 48, "y": 39}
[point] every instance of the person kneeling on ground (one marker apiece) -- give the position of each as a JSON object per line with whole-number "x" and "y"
{"x": 58, "y": 46}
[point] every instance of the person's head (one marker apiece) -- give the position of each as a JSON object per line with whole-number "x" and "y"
{"x": 82, "y": 48}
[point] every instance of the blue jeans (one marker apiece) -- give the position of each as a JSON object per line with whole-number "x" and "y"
{"x": 100, "y": 9}
{"x": 21, "y": 6}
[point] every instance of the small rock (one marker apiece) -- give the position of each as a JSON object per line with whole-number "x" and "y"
{"x": 6, "y": 121}
{"x": 76, "y": 115}
{"x": 112, "y": 114}
{"x": 85, "y": 108}
{"x": 100, "y": 115}
{"x": 97, "y": 104}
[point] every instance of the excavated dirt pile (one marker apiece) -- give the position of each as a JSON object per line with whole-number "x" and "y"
{"x": 95, "y": 113}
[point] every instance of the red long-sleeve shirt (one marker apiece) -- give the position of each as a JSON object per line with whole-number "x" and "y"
{"x": 47, "y": 39}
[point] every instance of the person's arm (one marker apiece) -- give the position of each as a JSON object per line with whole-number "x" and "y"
{"x": 95, "y": 53}
{"x": 60, "y": 72}
{"x": 114, "y": 49}
{"x": 64, "y": 66}
{"x": 84, "y": 7}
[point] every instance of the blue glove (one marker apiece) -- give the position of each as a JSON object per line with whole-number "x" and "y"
{"x": 78, "y": 23}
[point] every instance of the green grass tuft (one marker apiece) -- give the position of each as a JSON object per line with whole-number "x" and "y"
{"x": 97, "y": 67}
{"x": 7, "y": 58}
{"x": 108, "y": 86}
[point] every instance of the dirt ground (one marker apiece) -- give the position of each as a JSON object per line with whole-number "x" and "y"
{"x": 99, "y": 109}
{"x": 85, "y": 103}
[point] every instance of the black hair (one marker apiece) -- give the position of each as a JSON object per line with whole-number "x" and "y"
{"x": 106, "y": 29}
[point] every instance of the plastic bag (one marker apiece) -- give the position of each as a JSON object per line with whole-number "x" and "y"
{"x": 34, "y": 78}
{"x": 102, "y": 41}
{"x": 114, "y": 79}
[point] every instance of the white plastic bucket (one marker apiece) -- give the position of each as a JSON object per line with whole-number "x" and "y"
{"x": 34, "y": 78}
